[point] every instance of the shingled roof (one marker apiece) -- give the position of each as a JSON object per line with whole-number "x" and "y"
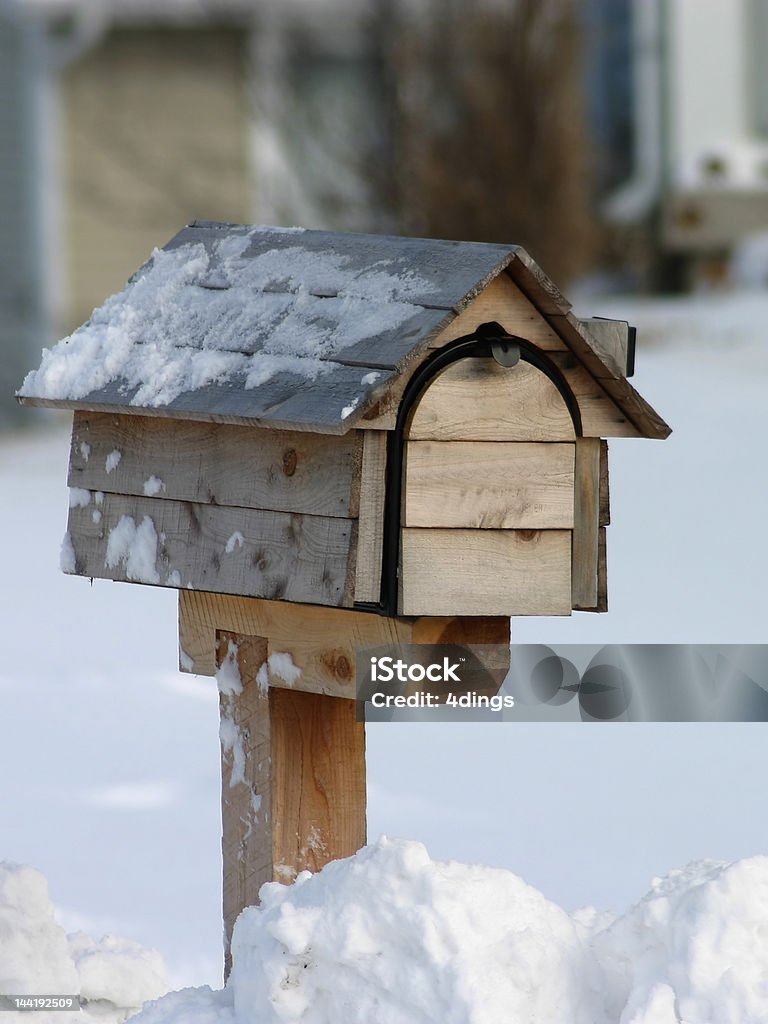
{"x": 287, "y": 327}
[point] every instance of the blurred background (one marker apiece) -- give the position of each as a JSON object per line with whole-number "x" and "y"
{"x": 623, "y": 142}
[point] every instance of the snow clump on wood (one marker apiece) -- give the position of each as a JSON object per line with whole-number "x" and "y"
{"x": 135, "y": 547}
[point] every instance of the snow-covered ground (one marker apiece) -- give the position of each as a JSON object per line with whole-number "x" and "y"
{"x": 392, "y": 937}
{"x": 109, "y": 757}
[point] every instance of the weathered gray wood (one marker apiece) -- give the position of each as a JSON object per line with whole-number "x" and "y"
{"x": 476, "y": 399}
{"x": 320, "y": 645}
{"x": 600, "y": 416}
{"x": 637, "y": 410}
{"x": 489, "y": 485}
{"x": 278, "y": 555}
{"x": 504, "y": 303}
{"x": 429, "y": 272}
{"x": 486, "y": 572}
{"x": 363, "y": 304}
{"x": 601, "y": 605}
{"x": 584, "y": 555}
{"x": 610, "y": 340}
{"x": 293, "y": 777}
{"x": 632, "y": 407}
{"x": 246, "y": 778}
{"x": 370, "y": 538}
{"x": 335, "y": 400}
{"x": 602, "y": 573}
{"x": 605, "y": 490}
{"x": 217, "y": 464}
{"x": 435, "y": 277}
{"x": 287, "y": 401}
{"x": 206, "y": 233}
{"x": 398, "y": 346}
{"x": 322, "y": 642}
{"x": 540, "y": 289}
{"x": 579, "y": 342}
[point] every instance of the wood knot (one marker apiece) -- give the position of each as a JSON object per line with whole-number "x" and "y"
{"x": 338, "y": 664}
{"x": 290, "y": 458}
{"x": 343, "y": 667}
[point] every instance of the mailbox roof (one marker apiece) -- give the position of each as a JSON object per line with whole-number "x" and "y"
{"x": 289, "y": 328}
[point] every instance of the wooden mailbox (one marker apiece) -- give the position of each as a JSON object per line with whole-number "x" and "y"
{"x": 325, "y": 441}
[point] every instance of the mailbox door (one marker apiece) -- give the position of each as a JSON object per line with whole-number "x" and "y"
{"x": 489, "y": 495}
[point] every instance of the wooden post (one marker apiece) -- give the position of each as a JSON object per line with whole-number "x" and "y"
{"x": 292, "y": 755}
{"x": 293, "y": 777}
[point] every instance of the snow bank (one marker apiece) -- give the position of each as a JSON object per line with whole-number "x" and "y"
{"x": 392, "y": 937}
{"x": 695, "y": 949}
{"x": 113, "y": 976}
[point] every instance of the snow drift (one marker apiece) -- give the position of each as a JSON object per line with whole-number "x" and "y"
{"x": 391, "y": 937}
{"x": 114, "y": 977}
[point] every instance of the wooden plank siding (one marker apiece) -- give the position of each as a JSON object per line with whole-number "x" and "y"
{"x": 486, "y": 572}
{"x": 279, "y": 555}
{"x": 217, "y": 464}
{"x": 231, "y": 509}
{"x": 370, "y": 541}
{"x": 605, "y": 490}
{"x": 502, "y": 503}
{"x": 601, "y": 603}
{"x": 321, "y": 642}
{"x": 502, "y": 302}
{"x": 488, "y": 511}
{"x": 489, "y": 485}
{"x": 497, "y": 512}
{"x": 478, "y": 400}
{"x": 586, "y": 523}
{"x": 600, "y": 416}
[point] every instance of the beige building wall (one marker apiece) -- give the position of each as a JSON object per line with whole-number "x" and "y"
{"x": 155, "y": 133}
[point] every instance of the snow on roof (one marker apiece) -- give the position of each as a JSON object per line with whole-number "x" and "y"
{"x": 265, "y": 323}
{"x": 292, "y": 328}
